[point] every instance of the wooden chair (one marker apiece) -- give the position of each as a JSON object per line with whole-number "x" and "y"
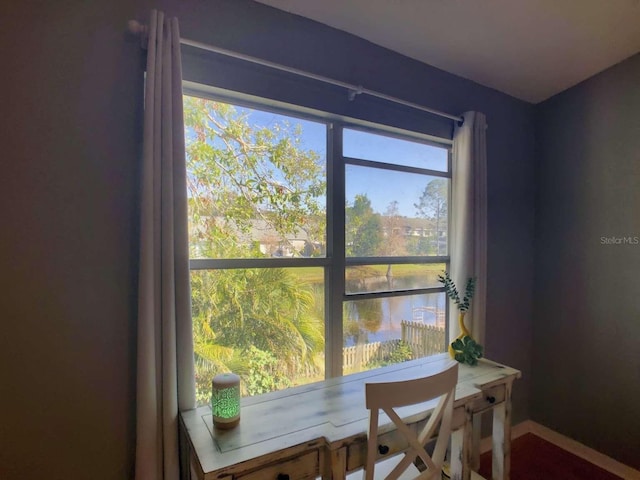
{"x": 392, "y": 395}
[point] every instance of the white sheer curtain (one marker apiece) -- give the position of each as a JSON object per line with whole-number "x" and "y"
{"x": 469, "y": 221}
{"x": 165, "y": 380}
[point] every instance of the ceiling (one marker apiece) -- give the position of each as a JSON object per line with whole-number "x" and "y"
{"x": 530, "y": 49}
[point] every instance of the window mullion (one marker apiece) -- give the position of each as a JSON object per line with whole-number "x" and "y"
{"x": 334, "y": 277}
{"x": 396, "y": 168}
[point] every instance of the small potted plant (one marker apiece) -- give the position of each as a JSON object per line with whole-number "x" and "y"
{"x": 464, "y": 348}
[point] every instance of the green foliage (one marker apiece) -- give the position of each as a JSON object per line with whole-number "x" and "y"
{"x": 420, "y": 246}
{"x": 433, "y": 201}
{"x": 363, "y": 233}
{"x": 204, "y": 373}
{"x": 432, "y": 205}
{"x": 467, "y": 350}
{"x": 401, "y": 353}
{"x": 395, "y": 241}
{"x": 261, "y": 372}
{"x": 452, "y": 292}
{"x": 265, "y": 308}
{"x": 244, "y": 179}
{"x": 240, "y": 173}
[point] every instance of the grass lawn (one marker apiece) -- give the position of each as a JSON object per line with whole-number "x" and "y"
{"x": 316, "y": 274}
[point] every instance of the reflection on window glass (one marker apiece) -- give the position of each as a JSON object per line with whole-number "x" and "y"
{"x": 384, "y": 331}
{"x": 265, "y": 324}
{"x": 256, "y": 182}
{"x": 387, "y": 278}
{"x": 392, "y": 213}
{"x": 379, "y": 148}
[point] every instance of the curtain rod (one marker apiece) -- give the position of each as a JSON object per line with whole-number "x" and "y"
{"x": 137, "y": 28}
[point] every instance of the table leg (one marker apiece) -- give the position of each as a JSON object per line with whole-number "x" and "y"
{"x": 461, "y": 449}
{"x": 475, "y": 448}
{"x": 502, "y": 438}
{"x": 337, "y": 468}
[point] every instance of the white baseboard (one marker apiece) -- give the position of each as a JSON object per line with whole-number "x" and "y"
{"x": 578, "y": 449}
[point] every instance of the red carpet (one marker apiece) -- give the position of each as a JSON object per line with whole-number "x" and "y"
{"x": 533, "y": 458}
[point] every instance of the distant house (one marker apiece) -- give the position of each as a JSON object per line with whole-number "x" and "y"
{"x": 414, "y": 227}
{"x": 262, "y": 235}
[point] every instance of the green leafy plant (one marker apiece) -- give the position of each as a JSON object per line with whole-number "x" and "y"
{"x": 401, "y": 353}
{"x": 467, "y": 350}
{"x": 261, "y": 372}
{"x": 464, "y": 348}
{"x": 452, "y": 292}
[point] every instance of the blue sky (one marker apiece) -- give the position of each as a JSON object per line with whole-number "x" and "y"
{"x": 381, "y": 186}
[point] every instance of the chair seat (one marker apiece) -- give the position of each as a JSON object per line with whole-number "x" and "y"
{"x": 384, "y": 467}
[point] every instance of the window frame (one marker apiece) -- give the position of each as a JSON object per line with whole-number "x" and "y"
{"x": 335, "y": 261}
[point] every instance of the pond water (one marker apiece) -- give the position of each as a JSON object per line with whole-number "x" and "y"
{"x": 377, "y": 320}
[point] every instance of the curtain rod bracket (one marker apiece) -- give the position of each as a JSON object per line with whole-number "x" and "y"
{"x": 353, "y": 92}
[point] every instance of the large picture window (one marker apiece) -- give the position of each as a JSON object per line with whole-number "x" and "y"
{"x": 315, "y": 244}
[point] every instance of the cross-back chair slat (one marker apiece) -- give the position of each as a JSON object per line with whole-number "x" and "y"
{"x": 390, "y": 396}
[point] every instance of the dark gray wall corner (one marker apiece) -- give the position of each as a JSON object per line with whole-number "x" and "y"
{"x": 586, "y": 328}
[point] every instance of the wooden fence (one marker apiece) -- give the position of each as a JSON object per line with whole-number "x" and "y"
{"x": 424, "y": 340}
{"x": 357, "y": 356}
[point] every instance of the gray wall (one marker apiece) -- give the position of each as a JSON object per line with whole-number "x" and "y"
{"x": 70, "y": 136}
{"x": 69, "y": 140}
{"x": 586, "y": 325}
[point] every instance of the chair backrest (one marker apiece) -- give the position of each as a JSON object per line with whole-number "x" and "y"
{"x": 391, "y": 395}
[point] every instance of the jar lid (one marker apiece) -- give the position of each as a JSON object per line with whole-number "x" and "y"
{"x": 226, "y": 379}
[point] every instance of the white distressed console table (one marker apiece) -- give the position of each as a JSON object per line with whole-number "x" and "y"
{"x": 319, "y": 430}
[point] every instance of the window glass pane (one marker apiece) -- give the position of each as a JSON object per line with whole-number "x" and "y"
{"x": 380, "y": 148}
{"x": 256, "y": 185}
{"x": 256, "y": 182}
{"x": 387, "y": 278}
{"x": 392, "y": 213}
{"x": 265, "y": 324}
{"x": 383, "y": 331}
